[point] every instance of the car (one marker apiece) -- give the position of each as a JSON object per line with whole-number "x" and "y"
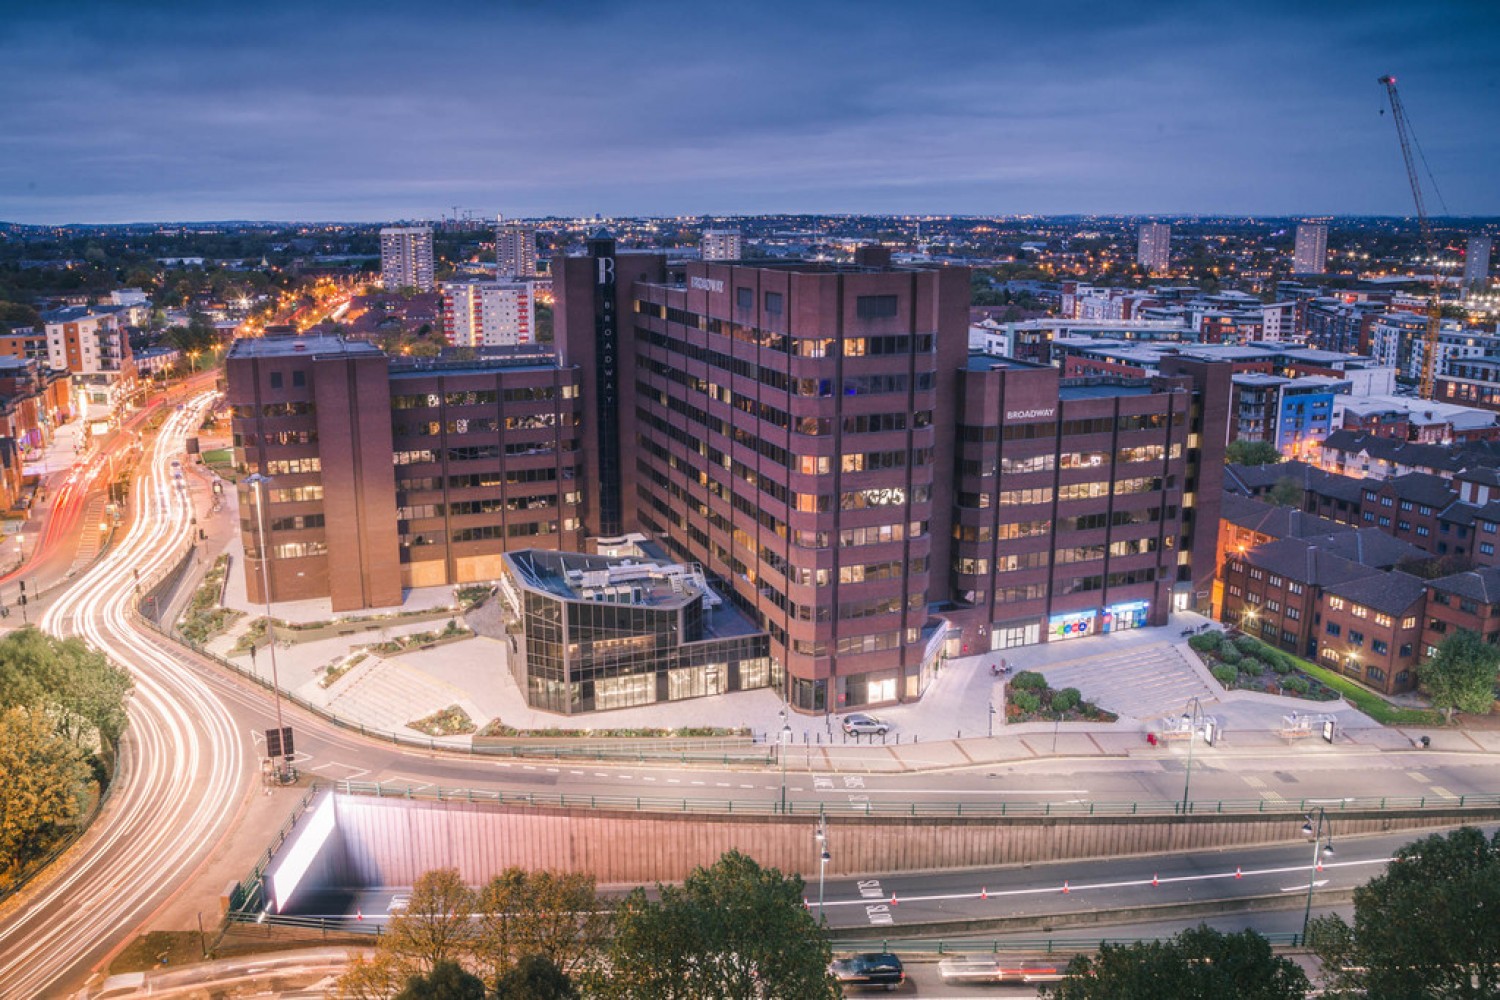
{"x": 870, "y": 968}
{"x": 994, "y": 969}
{"x": 861, "y": 724}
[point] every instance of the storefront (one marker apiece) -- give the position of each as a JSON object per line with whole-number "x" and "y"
{"x": 1009, "y": 635}
{"x": 1119, "y": 617}
{"x": 1071, "y": 625}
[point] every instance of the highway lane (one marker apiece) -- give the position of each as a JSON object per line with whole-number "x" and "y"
{"x": 184, "y": 765}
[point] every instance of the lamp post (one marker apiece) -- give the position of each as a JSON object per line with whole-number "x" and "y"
{"x": 786, "y": 741}
{"x": 1193, "y": 720}
{"x": 1318, "y": 841}
{"x": 259, "y": 484}
{"x": 823, "y": 858}
{"x": 992, "y": 715}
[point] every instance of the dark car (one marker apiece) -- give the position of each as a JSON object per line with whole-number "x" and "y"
{"x": 869, "y": 969}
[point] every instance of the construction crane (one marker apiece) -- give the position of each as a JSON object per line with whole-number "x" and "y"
{"x": 1434, "y": 303}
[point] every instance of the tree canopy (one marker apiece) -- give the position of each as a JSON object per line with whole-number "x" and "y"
{"x": 1287, "y": 492}
{"x": 1425, "y": 928}
{"x": 734, "y": 931}
{"x": 1244, "y": 452}
{"x": 1462, "y": 674}
{"x": 1198, "y": 964}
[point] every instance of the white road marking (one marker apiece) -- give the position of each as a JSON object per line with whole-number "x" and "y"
{"x": 1299, "y": 888}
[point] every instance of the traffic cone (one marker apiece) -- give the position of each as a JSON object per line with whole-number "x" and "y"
{"x": 1065, "y": 887}
{"x": 894, "y": 900}
{"x": 1154, "y": 882}
{"x": 359, "y": 914}
{"x": 1238, "y": 873}
{"x": 805, "y": 904}
{"x": 983, "y": 893}
{"x": 1320, "y": 866}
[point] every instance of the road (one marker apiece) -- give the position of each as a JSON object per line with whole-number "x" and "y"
{"x": 183, "y": 768}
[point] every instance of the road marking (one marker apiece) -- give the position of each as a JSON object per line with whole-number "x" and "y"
{"x": 647, "y": 777}
{"x": 1442, "y": 792}
{"x": 747, "y": 786}
{"x": 1298, "y": 888}
{"x": 1270, "y": 796}
{"x": 721, "y": 784}
{"x": 853, "y": 781}
{"x": 1253, "y": 781}
{"x": 579, "y": 773}
{"x": 600, "y": 774}
{"x": 1417, "y": 776}
{"x": 699, "y": 782}
{"x": 822, "y": 783}
{"x": 674, "y": 781}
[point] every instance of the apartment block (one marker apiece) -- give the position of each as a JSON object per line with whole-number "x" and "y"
{"x": 1310, "y": 253}
{"x": 406, "y": 257}
{"x": 722, "y": 244}
{"x": 1154, "y": 247}
{"x": 478, "y": 313}
{"x": 515, "y": 250}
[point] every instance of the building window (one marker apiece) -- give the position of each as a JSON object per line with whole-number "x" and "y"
{"x": 1486, "y": 548}
{"x": 1488, "y": 527}
{"x": 276, "y": 380}
{"x": 773, "y": 303}
{"x": 1409, "y": 622}
{"x": 1256, "y": 574}
{"x": 1294, "y": 588}
{"x": 1333, "y": 628}
{"x": 1423, "y": 531}
{"x": 744, "y": 298}
{"x": 875, "y": 306}
{"x": 1274, "y": 581}
{"x": 299, "y": 379}
{"x": 1406, "y": 505}
{"x": 1356, "y": 638}
{"x": 1293, "y": 612}
{"x": 1369, "y": 516}
{"x": 1359, "y": 611}
{"x": 1375, "y": 674}
{"x": 1405, "y": 649}
{"x": 1403, "y": 525}
{"x": 1379, "y": 646}
{"x": 1336, "y": 603}
{"x": 1385, "y": 501}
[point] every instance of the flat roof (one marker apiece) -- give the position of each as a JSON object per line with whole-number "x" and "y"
{"x": 316, "y": 344}
{"x": 1091, "y": 390}
{"x": 982, "y": 362}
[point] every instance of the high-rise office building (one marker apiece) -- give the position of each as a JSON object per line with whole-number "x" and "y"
{"x": 515, "y": 250}
{"x": 1310, "y": 255}
{"x": 818, "y": 437}
{"x": 1154, "y": 250}
{"x": 406, "y": 257}
{"x": 722, "y": 244}
{"x": 1477, "y": 263}
{"x": 479, "y": 313}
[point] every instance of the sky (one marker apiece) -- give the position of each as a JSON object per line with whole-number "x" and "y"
{"x": 153, "y": 110}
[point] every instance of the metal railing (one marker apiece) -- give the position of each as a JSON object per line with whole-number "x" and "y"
{"x": 771, "y": 805}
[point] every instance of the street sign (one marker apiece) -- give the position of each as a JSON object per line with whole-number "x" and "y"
{"x": 279, "y": 742}
{"x": 1328, "y": 730}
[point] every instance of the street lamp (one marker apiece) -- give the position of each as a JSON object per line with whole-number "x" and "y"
{"x": 823, "y": 858}
{"x": 259, "y": 484}
{"x": 786, "y": 741}
{"x": 1193, "y": 720}
{"x": 992, "y": 717}
{"x": 1318, "y": 840}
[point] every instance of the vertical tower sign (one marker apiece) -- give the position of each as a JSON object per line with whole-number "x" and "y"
{"x": 607, "y": 356}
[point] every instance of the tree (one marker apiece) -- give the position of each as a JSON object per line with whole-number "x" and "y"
{"x": 1244, "y": 452}
{"x": 1462, "y": 674}
{"x": 43, "y": 778}
{"x": 1425, "y": 928}
{"x": 534, "y": 977}
{"x": 733, "y": 931}
{"x": 447, "y": 981}
{"x": 76, "y": 685}
{"x": 553, "y": 915}
{"x": 1287, "y": 492}
{"x": 438, "y": 923}
{"x": 1198, "y": 964}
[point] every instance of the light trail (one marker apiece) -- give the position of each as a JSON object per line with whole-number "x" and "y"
{"x": 183, "y": 765}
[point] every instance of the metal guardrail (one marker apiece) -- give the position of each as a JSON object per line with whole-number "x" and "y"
{"x": 995, "y": 945}
{"x": 773, "y": 806}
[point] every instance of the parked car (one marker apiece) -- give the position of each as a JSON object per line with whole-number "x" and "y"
{"x": 995, "y": 969}
{"x": 859, "y": 724}
{"x": 869, "y": 969}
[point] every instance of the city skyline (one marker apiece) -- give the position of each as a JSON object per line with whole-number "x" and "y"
{"x": 134, "y": 113}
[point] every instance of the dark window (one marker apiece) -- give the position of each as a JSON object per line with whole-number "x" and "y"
{"x": 875, "y": 306}
{"x": 744, "y": 298}
{"x": 773, "y": 303}
{"x": 299, "y": 379}
{"x": 1333, "y": 629}
{"x": 276, "y": 380}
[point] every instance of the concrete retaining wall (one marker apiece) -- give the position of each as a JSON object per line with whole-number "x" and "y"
{"x": 392, "y": 841}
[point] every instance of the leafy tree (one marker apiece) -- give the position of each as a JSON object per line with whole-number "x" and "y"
{"x": 19, "y": 314}
{"x": 1198, "y": 964}
{"x": 373, "y": 978}
{"x": 733, "y": 931}
{"x": 1425, "y": 928}
{"x": 447, "y": 981}
{"x": 78, "y": 687}
{"x": 534, "y": 977}
{"x": 438, "y": 922}
{"x": 1287, "y": 492}
{"x": 42, "y": 781}
{"x": 1462, "y": 674}
{"x": 1244, "y": 452}
{"x": 555, "y": 916}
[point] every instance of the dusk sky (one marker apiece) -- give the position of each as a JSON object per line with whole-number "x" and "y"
{"x": 143, "y": 110}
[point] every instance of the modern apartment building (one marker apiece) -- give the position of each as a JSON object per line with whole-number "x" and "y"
{"x": 389, "y": 473}
{"x": 819, "y": 437}
{"x": 1477, "y": 263}
{"x": 515, "y": 250}
{"x": 1154, "y": 249}
{"x": 406, "y": 257}
{"x": 722, "y": 244}
{"x": 479, "y": 313}
{"x": 1310, "y": 253}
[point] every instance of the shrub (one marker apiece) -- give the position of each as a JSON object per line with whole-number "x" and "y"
{"x": 1251, "y": 667}
{"x": 1207, "y": 642}
{"x": 1283, "y": 664}
{"x": 1088, "y": 708}
{"x": 1065, "y": 699}
{"x": 1230, "y": 655}
{"x": 1248, "y": 645}
{"x": 1027, "y": 702}
{"x": 1296, "y": 683}
{"x": 1029, "y": 680}
{"x": 1225, "y": 674}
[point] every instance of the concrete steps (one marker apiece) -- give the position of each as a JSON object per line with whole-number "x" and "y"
{"x": 1143, "y": 683}
{"x": 386, "y": 694}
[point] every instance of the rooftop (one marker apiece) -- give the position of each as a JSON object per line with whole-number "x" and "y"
{"x": 1482, "y": 585}
{"x": 1392, "y": 593}
{"x": 311, "y": 344}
